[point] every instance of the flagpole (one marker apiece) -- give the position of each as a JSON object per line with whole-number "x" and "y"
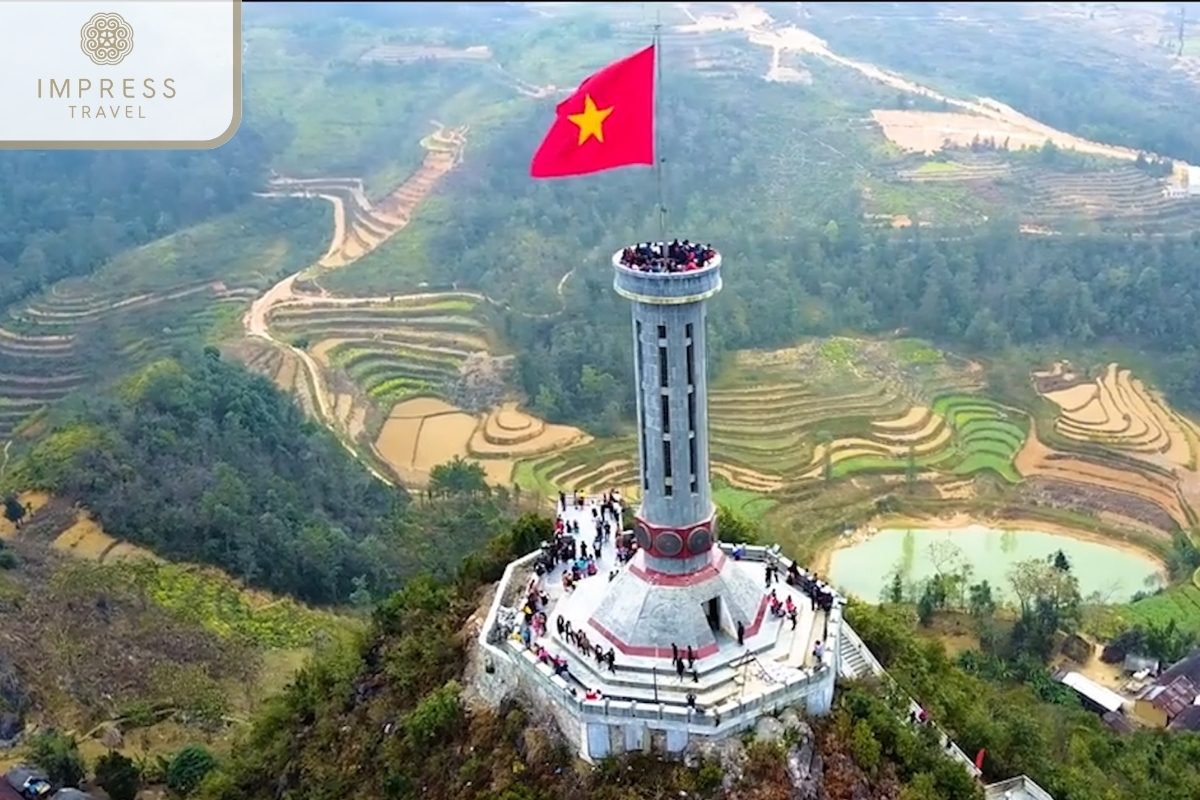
{"x": 659, "y": 160}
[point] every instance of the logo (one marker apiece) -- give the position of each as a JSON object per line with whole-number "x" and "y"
{"x": 106, "y": 39}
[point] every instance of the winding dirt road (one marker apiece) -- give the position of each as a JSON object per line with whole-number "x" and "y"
{"x": 761, "y": 29}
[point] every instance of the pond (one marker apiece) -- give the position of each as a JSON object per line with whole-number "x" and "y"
{"x": 866, "y": 569}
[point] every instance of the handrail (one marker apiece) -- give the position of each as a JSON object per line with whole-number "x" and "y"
{"x": 951, "y": 746}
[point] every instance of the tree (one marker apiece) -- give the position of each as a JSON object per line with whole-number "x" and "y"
{"x": 118, "y": 776}
{"x": 1049, "y": 601}
{"x": 14, "y": 511}
{"x": 732, "y": 527}
{"x": 980, "y": 603}
{"x": 188, "y": 768}
{"x": 458, "y": 477}
{"x": 59, "y": 756}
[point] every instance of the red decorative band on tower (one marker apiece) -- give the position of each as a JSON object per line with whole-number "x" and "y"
{"x": 672, "y": 542}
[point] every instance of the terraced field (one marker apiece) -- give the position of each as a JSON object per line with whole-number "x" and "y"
{"x": 1122, "y": 196}
{"x": 80, "y": 332}
{"x": 1118, "y": 410}
{"x": 1136, "y": 460}
{"x": 361, "y": 226}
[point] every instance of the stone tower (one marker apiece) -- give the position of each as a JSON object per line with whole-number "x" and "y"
{"x": 680, "y": 587}
{"x": 675, "y": 524}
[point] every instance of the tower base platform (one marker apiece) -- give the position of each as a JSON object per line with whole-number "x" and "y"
{"x": 642, "y": 697}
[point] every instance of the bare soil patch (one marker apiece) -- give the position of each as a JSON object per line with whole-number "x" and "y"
{"x": 420, "y": 407}
{"x": 397, "y": 441}
{"x": 911, "y": 417}
{"x": 930, "y": 131}
{"x": 442, "y": 437}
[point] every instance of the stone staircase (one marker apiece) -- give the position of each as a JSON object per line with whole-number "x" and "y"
{"x": 851, "y": 661}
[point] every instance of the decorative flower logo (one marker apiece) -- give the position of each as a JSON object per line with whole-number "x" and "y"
{"x": 106, "y": 39}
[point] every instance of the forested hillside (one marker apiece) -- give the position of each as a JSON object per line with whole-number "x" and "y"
{"x": 200, "y": 460}
{"x": 62, "y": 213}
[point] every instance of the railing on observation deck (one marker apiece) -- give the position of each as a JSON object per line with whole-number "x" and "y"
{"x": 712, "y": 722}
{"x": 730, "y": 716}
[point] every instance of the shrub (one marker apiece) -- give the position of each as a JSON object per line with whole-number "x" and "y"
{"x": 118, "y": 776}
{"x": 188, "y": 768}
{"x": 59, "y": 756}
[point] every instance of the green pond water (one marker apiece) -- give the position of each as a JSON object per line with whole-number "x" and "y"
{"x": 866, "y": 569}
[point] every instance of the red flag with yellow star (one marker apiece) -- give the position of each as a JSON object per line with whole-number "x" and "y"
{"x": 607, "y": 123}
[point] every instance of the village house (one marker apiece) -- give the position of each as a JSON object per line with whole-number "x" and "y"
{"x": 1171, "y": 701}
{"x": 1106, "y": 703}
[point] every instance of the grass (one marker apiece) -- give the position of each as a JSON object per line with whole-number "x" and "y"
{"x": 401, "y": 264}
{"x": 938, "y": 168}
{"x": 915, "y": 352}
{"x": 1178, "y": 603}
{"x": 749, "y": 505}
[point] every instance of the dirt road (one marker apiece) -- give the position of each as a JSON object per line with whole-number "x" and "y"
{"x": 761, "y": 29}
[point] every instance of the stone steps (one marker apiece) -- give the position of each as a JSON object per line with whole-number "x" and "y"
{"x": 853, "y": 664}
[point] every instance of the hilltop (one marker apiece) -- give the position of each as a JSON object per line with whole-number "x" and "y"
{"x": 935, "y": 304}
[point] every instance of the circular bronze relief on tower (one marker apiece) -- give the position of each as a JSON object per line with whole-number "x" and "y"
{"x": 642, "y": 534}
{"x": 668, "y": 543}
{"x": 699, "y": 540}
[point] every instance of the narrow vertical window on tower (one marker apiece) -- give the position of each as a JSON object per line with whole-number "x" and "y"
{"x": 641, "y": 376}
{"x": 691, "y": 358}
{"x": 692, "y": 413}
{"x": 692, "y": 457}
{"x": 667, "y": 481}
{"x": 664, "y": 378}
{"x": 666, "y": 416}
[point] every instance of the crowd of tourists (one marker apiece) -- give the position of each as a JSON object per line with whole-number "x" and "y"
{"x": 570, "y": 555}
{"x": 569, "y": 551}
{"x": 675, "y": 256}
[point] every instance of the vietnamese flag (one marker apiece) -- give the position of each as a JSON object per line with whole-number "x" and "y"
{"x": 607, "y": 123}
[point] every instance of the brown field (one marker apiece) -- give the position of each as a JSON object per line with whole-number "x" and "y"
{"x": 87, "y": 540}
{"x": 32, "y": 502}
{"x": 1118, "y": 410}
{"x": 423, "y": 432}
{"x": 928, "y": 131}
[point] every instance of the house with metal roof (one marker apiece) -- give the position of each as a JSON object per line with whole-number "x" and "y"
{"x": 1096, "y": 697}
{"x": 1021, "y": 787}
{"x": 1173, "y": 696}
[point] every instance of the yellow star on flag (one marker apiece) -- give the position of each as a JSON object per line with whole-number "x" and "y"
{"x": 591, "y": 120}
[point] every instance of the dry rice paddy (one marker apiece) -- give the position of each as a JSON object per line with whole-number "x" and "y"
{"x": 424, "y": 432}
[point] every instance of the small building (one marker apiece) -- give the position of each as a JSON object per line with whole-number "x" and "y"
{"x": 1021, "y": 787}
{"x": 1186, "y": 720}
{"x": 1094, "y": 696}
{"x": 1172, "y": 693}
{"x": 1135, "y": 664}
{"x": 1193, "y": 181}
